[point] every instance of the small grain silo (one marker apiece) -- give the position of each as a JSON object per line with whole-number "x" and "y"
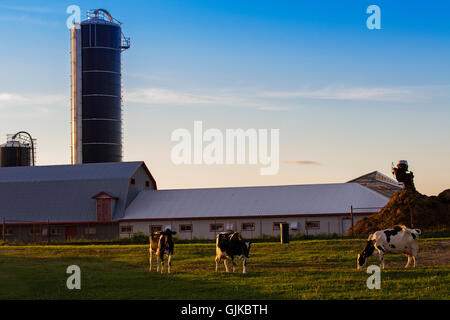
{"x": 96, "y": 47}
{"x": 18, "y": 151}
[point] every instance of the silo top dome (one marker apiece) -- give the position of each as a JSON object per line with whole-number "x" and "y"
{"x": 100, "y": 16}
{"x": 98, "y": 21}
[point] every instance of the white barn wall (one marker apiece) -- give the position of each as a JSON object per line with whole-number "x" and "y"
{"x": 263, "y": 226}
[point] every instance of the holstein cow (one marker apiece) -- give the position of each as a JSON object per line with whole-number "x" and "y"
{"x": 230, "y": 245}
{"x": 399, "y": 239}
{"x": 161, "y": 243}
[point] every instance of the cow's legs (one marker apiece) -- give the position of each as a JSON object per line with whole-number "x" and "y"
{"x": 217, "y": 263}
{"x": 234, "y": 264}
{"x": 381, "y": 260}
{"x": 409, "y": 261}
{"x": 158, "y": 262}
{"x": 162, "y": 263}
{"x": 169, "y": 263}
{"x": 244, "y": 266}
{"x": 150, "y": 260}
{"x": 380, "y": 251}
{"x": 415, "y": 251}
{"x": 225, "y": 262}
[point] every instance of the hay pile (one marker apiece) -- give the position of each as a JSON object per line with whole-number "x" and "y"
{"x": 410, "y": 208}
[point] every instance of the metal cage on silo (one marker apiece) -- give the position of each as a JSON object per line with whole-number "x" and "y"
{"x": 96, "y": 47}
{"x": 15, "y": 154}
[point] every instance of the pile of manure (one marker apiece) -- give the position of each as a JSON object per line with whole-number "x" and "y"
{"x": 410, "y": 208}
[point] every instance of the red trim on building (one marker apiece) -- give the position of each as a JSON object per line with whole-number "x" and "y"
{"x": 254, "y": 217}
{"x": 57, "y": 223}
{"x": 102, "y": 193}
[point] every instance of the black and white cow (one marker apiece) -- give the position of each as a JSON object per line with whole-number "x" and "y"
{"x": 161, "y": 244}
{"x": 399, "y": 239}
{"x": 230, "y": 245}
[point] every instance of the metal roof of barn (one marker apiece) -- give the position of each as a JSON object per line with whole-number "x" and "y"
{"x": 312, "y": 199}
{"x": 62, "y": 193}
{"x": 86, "y": 171}
{"x": 379, "y": 182}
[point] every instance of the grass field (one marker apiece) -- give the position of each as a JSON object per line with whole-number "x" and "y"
{"x": 315, "y": 269}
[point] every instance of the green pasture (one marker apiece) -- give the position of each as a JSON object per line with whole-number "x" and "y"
{"x": 308, "y": 269}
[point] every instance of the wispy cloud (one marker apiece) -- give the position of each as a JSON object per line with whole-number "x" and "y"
{"x": 353, "y": 93}
{"x": 159, "y": 96}
{"x": 280, "y": 100}
{"x": 6, "y": 97}
{"x": 27, "y": 9}
{"x": 302, "y": 162}
{"x": 12, "y": 99}
{"x": 29, "y": 19}
{"x": 29, "y": 15}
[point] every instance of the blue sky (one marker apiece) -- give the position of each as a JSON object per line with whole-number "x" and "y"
{"x": 347, "y": 99}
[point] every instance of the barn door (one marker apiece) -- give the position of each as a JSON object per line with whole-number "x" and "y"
{"x": 103, "y": 209}
{"x": 71, "y": 233}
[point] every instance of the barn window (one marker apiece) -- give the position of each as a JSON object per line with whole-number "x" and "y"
{"x": 133, "y": 181}
{"x": 312, "y": 224}
{"x": 90, "y": 230}
{"x": 185, "y": 227}
{"x": 216, "y": 227}
{"x": 276, "y": 226}
{"x": 35, "y": 231}
{"x": 248, "y": 226}
{"x": 294, "y": 225}
{"x": 9, "y": 232}
{"x": 147, "y": 183}
{"x": 155, "y": 228}
{"x": 56, "y": 231}
{"x": 231, "y": 227}
{"x": 126, "y": 229}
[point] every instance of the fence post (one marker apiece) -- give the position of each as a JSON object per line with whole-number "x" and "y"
{"x": 3, "y": 229}
{"x": 351, "y": 217}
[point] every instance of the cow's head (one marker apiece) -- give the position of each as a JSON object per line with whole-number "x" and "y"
{"x": 361, "y": 260}
{"x": 168, "y": 232}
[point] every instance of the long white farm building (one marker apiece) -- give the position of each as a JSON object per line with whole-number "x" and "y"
{"x": 111, "y": 200}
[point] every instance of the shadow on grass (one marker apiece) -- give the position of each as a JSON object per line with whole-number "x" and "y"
{"x": 45, "y": 278}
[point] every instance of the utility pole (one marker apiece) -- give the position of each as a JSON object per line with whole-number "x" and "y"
{"x": 351, "y": 217}
{"x": 3, "y": 229}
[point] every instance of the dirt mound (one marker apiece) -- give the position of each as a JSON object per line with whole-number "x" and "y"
{"x": 410, "y": 208}
{"x": 444, "y": 196}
